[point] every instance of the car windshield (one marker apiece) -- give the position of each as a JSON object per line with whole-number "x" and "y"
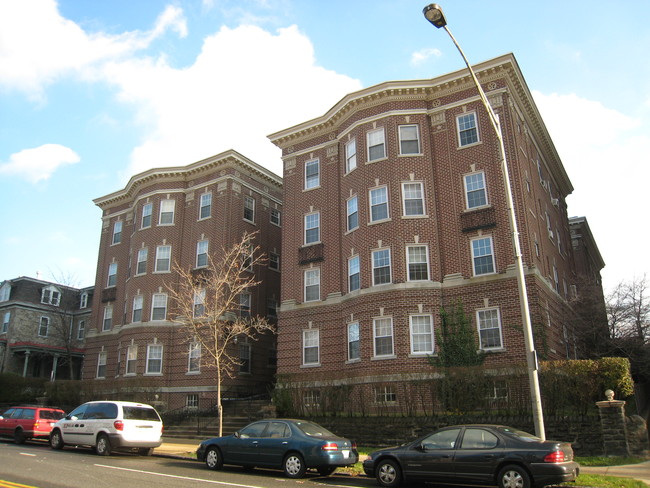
{"x": 313, "y": 430}
{"x": 519, "y": 434}
{"x": 140, "y": 413}
{"x": 51, "y": 414}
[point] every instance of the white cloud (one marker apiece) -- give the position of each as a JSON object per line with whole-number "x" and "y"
{"x": 38, "y": 163}
{"x": 421, "y": 56}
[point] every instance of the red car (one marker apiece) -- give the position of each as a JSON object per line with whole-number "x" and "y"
{"x": 29, "y": 422}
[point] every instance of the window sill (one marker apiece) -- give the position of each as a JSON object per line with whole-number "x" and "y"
{"x": 375, "y": 222}
{"x": 378, "y": 160}
{"x": 477, "y": 143}
{"x": 379, "y": 358}
{"x": 422, "y": 216}
{"x": 314, "y": 365}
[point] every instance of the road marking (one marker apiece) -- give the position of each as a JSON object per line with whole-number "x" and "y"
{"x": 27, "y": 454}
{"x": 9, "y": 484}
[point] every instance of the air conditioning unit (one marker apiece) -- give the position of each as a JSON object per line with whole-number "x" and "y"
{"x": 545, "y": 184}
{"x": 555, "y": 201}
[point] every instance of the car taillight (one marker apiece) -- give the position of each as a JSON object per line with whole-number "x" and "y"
{"x": 354, "y": 446}
{"x": 330, "y": 446}
{"x": 118, "y": 424}
{"x": 554, "y": 457}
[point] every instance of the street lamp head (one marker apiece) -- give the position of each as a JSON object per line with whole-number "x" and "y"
{"x": 435, "y": 15}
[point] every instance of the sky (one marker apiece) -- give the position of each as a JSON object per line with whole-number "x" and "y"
{"x": 94, "y": 92}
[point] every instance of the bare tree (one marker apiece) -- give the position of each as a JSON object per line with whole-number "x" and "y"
{"x": 206, "y": 303}
{"x": 628, "y": 310}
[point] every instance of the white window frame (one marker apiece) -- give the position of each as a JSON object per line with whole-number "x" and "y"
{"x": 374, "y": 258}
{"x": 385, "y": 394}
{"x": 43, "y": 326}
{"x": 312, "y": 281}
{"x": 420, "y": 335}
{"x": 409, "y": 262}
{"x": 5, "y": 322}
{"x": 245, "y": 302}
{"x": 117, "y": 232}
{"x": 5, "y": 292}
{"x": 403, "y": 141}
{"x": 51, "y": 296}
{"x": 167, "y": 212}
{"x": 141, "y": 264}
{"x": 352, "y": 211}
{"x": 350, "y": 155}
{"x": 198, "y": 310}
{"x": 276, "y": 217}
{"x": 476, "y": 256}
{"x": 138, "y": 303}
{"x": 310, "y": 342}
{"x": 194, "y": 358}
{"x": 131, "y": 360}
{"x": 249, "y": 209}
{"x": 274, "y": 261}
{"x": 112, "y": 275}
{"x": 312, "y": 223}
{"x": 245, "y": 357}
{"x": 376, "y": 138}
{"x": 154, "y": 358}
{"x": 481, "y": 320}
{"x": 354, "y": 262}
{"x": 472, "y": 185}
{"x": 378, "y": 197}
{"x": 205, "y": 205}
{"x": 312, "y": 180}
{"x": 147, "y": 212}
{"x": 464, "y": 129}
{"x": 81, "y": 329}
{"x": 107, "y": 321}
{"x": 408, "y": 196}
{"x": 202, "y": 248}
{"x": 163, "y": 258}
{"x": 381, "y": 325}
{"x": 354, "y": 337}
{"x": 101, "y": 364}
{"x": 158, "y": 302}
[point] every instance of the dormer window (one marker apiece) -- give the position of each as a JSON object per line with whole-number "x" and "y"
{"x": 51, "y": 296}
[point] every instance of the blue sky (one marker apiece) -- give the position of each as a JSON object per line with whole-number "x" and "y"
{"x": 93, "y": 92}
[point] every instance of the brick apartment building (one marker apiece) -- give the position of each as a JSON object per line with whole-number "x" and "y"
{"x": 394, "y": 207}
{"x": 43, "y": 328}
{"x": 170, "y": 216}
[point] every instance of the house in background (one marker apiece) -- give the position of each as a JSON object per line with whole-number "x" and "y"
{"x": 166, "y": 217}
{"x": 43, "y": 328}
{"x": 394, "y": 207}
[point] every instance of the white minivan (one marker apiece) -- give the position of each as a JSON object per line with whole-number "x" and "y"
{"x": 108, "y": 426}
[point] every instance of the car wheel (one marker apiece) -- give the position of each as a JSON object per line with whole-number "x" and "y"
{"x": 145, "y": 451}
{"x": 103, "y": 447}
{"x": 56, "y": 441}
{"x": 389, "y": 473}
{"x": 513, "y": 476}
{"x": 294, "y": 466}
{"x": 213, "y": 459}
{"x": 326, "y": 470}
{"x": 19, "y": 436}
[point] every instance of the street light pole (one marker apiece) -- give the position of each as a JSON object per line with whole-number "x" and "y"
{"x": 433, "y": 13}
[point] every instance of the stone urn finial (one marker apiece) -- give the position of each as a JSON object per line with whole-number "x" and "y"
{"x": 609, "y": 394}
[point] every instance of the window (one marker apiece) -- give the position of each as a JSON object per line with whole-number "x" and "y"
{"x": 117, "y": 232}
{"x": 244, "y": 357}
{"x": 353, "y": 213}
{"x": 385, "y": 394}
{"x": 202, "y": 253}
{"x": 167, "y": 212}
{"x": 354, "y": 273}
{"x": 421, "y": 334}
{"x": 276, "y": 217}
{"x": 199, "y": 303}
{"x": 101, "y": 365}
{"x": 5, "y": 322}
{"x": 311, "y": 398}
{"x": 147, "y": 210}
{"x": 107, "y": 322}
{"x": 131, "y": 359}
{"x": 51, "y": 296}
{"x": 312, "y": 228}
{"x": 205, "y": 206}
{"x": 475, "y": 194}
{"x": 271, "y": 307}
{"x": 159, "y": 307}
{"x": 81, "y": 329}
{"x": 163, "y": 258}
{"x": 378, "y": 204}
{"x": 43, "y": 327}
{"x": 381, "y": 271}
{"x": 417, "y": 261}
{"x": 112, "y": 274}
{"x": 467, "y": 131}
{"x": 154, "y": 359}
{"x": 274, "y": 261}
{"x": 482, "y": 256}
{"x": 192, "y": 400}
{"x": 312, "y": 284}
{"x": 141, "y": 266}
{"x": 354, "y": 351}
{"x": 413, "y": 199}
{"x": 5, "y": 292}
{"x": 350, "y": 155}
{"x": 376, "y": 144}
{"x": 137, "y": 308}
{"x": 83, "y": 300}
{"x": 247, "y": 257}
{"x": 249, "y": 209}
{"x": 310, "y": 346}
{"x": 489, "y": 328}
{"x": 382, "y": 329}
{"x": 194, "y": 358}
{"x": 245, "y": 304}
{"x": 312, "y": 174}
{"x": 409, "y": 139}
{"x": 556, "y": 280}
{"x": 479, "y": 439}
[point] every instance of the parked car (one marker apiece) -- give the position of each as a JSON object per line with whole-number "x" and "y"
{"x": 475, "y": 455}
{"x": 291, "y": 445}
{"x": 29, "y": 422}
{"x": 108, "y": 426}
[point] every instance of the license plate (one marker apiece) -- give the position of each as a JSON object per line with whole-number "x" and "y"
{"x": 346, "y": 453}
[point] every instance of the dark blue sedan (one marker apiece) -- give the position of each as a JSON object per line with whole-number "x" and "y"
{"x": 288, "y": 444}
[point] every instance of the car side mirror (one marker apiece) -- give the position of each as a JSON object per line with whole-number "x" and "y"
{"x": 1, "y": 417}
{"x": 71, "y": 417}
{"x": 237, "y": 435}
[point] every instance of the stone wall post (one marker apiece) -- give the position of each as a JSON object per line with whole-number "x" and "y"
{"x": 613, "y": 425}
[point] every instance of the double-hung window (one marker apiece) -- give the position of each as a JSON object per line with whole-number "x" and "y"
{"x": 131, "y": 359}
{"x": 312, "y": 228}
{"x": 312, "y": 284}
{"x": 354, "y": 351}
{"x": 199, "y": 303}
{"x": 163, "y": 259}
{"x": 81, "y": 329}
{"x": 194, "y": 358}
{"x": 101, "y": 364}
{"x": 274, "y": 261}
{"x": 44, "y": 327}
{"x": 249, "y": 209}
{"x": 413, "y": 199}
{"x": 353, "y": 213}
{"x": 475, "y": 192}
{"x": 141, "y": 265}
{"x": 244, "y": 357}
{"x": 310, "y": 346}
{"x": 489, "y": 328}
{"x": 275, "y": 217}
{"x": 467, "y": 130}
{"x": 376, "y": 144}
{"x": 202, "y": 253}
{"x": 354, "y": 273}
{"x": 381, "y": 268}
{"x": 51, "y": 296}
{"x": 112, "y": 274}
{"x": 117, "y": 232}
{"x": 409, "y": 139}
{"x": 154, "y": 358}
{"x": 147, "y": 210}
{"x": 383, "y": 336}
{"x": 159, "y": 307}
{"x": 421, "y": 334}
{"x": 107, "y": 322}
{"x": 167, "y": 212}
{"x": 417, "y": 261}
{"x": 5, "y": 322}
{"x": 378, "y": 203}
{"x": 205, "y": 206}
{"x": 312, "y": 174}
{"x": 350, "y": 155}
{"x": 482, "y": 256}
{"x": 245, "y": 304}
{"x": 137, "y": 308}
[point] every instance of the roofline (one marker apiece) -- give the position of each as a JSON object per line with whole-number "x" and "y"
{"x": 590, "y": 236}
